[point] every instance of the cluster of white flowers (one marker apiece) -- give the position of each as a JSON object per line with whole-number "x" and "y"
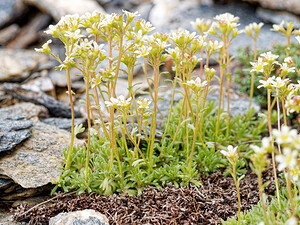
{"x": 253, "y": 26}
{"x": 196, "y": 85}
{"x": 201, "y": 25}
{"x": 292, "y": 103}
{"x": 286, "y": 28}
{"x": 119, "y": 102}
{"x": 143, "y": 103}
{"x": 213, "y": 46}
{"x": 227, "y": 24}
{"x": 182, "y": 38}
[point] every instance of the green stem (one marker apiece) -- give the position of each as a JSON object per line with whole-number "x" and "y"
{"x": 172, "y": 102}
{"x": 284, "y": 112}
{"x": 88, "y": 107}
{"x": 220, "y": 99}
{"x": 273, "y": 154}
{"x": 153, "y": 125}
{"x": 289, "y": 187}
{"x": 238, "y": 191}
{"x": 252, "y": 77}
{"x": 68, "y": 163}
{"x": 195, "y": 132}
{"x": 261, "y": 198}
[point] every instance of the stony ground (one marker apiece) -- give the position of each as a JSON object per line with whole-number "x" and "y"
{"x": 214, "y": 201}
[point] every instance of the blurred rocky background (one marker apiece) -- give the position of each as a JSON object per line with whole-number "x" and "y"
{"x": 34, "y": 107}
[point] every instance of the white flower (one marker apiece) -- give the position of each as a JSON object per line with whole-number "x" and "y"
{"x": 258, "y": 66}
{"x": 289, "y": 60}
{"x": 201, "y": 25}
{"x": 257, "y": 27}
{"x": 143, "y": 50}
{"x": 284, "y": 67}
{"x": 53, "y": 30}
{"x": 269, "y": 57}
{"x": 45, "y": 48}
{"x": 278, "y": 82}
{"x": 285, "y": 135}
{"x": 74, "y": 35}
{"x": 113, "y": 102}
{"x": 144, "y": 103}
{"x": 279, "y": 28}
{"x": 145, "y": 26}
{"x": 213, "y": 46}
{"x": 266, "y": 83}
{"x": 227, "y": 18}
{"x": 124, "y": 103}
{"x": 258, "y": 150}
{"x": 196, "y": 84}
{"x": 182, "y": 38}
{"x": 287, "y": 160}
{"x": 130, "y": 15}
{"x": 120, "y": 101}
{"x": 298, "y": 39}
{"x": 265, "y": 146}
{"x": 231, "y": 152}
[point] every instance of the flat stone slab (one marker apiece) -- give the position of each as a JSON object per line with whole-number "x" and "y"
{"x": 15, "y": 123}
{"x": 17, "y": 65}
{"x": 13, "y": 132}
{"x": 35, "y": 162}
{"x": 55, "y": 107}
{"x": 24, "y": 110}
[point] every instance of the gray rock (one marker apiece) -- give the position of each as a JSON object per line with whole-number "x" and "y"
{"x": 181, "y": 17}
{"x": 63, "y": 123}
{"x": 55, "y": 107}
{"x": 13, "y": 132}
{"x": 275, "y": 17}
{"x": 35, "y": 163}
{"x": 60, "y": 8}
{"x": 40, "y": 84}
{"x": 17, "y": 65}
{"x": 59, "y": 78}
{"x": 84, "y": 217}
{"x": 24, "y": 110}
{"x": 239, "y": 103}
{"x": 10, "y": 10}
{"x": 8, "y": 33}
{"x": 15, "y": 124}
{"x": 29, "y": 33}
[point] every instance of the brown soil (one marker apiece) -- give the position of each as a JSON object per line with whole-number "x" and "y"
{"x": 208, "y": 204}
